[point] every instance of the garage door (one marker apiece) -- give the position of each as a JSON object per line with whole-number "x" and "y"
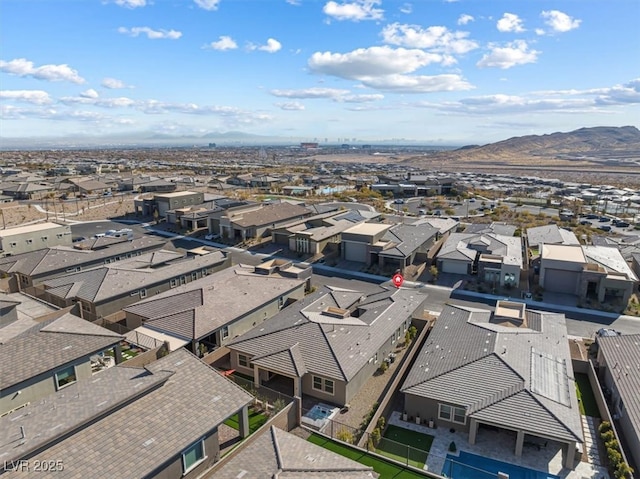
{"x": 559, "y": 281}
{"x": 459, "y": 267}
{"x": 355, "y": 252}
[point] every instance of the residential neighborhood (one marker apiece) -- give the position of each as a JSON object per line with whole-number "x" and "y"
{"x": 331, "y": 320}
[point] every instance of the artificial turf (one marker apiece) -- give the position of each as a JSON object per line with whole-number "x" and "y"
{"x": 395, "y": 441}
{"x": 586, "y": 398}
{"x": 256, "y": 419}
{"x": 385, "y": 469}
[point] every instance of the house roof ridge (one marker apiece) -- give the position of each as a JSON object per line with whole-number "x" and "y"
{"x": 333, "y": 353}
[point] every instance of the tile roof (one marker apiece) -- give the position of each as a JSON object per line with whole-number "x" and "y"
{"x": 275, "y": 453}
{"x": 464, "y": 246}
{"x": 49, "y": 345}
{"x": 481, "y": 361}
{"x": 53, "y": 259}
{"x": 269, "y": 214}
{"x": 190, "y": 399}
{"x": 198, "y": 308}
{"x": 101, "y": 284}
{"x": 622, "y": 354}
{"x": 550, "y": 234}
{"x": 333, "y": 346}
{"x": 404, "y": 240}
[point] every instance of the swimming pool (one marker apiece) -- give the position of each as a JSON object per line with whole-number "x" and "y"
{"x": 471, "y": 466}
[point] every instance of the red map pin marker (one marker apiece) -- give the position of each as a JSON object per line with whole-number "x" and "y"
{"x": 397, "y": 279}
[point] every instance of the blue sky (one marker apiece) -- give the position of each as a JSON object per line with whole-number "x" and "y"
{"x": 448, "y": 72}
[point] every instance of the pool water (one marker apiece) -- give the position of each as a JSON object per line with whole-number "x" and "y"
{"x": 319, "y": 411}
{"x": 471, "y": 466}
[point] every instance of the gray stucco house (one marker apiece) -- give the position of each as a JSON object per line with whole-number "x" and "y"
{"x": 329, "y": 343}
{"x": 509, "y": 369}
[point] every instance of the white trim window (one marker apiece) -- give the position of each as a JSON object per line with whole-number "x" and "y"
{"x": 452, "y": 413}
{"x": 224, "y": 332}
{"x": 193, "y": 456}
{"x": 323, "y": 384}
{"x": 65, "y": 377}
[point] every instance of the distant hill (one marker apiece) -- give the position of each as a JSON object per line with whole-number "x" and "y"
{"x": 601, "y": 141}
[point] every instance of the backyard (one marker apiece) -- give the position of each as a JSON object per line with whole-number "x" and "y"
{"x": 405, "y": 446}
{"x": 386, "y": 469}
{"x": 586, "y": 399}
{"x": 256, "y": 420}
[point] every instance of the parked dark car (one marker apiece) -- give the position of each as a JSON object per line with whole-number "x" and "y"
{"x": 604, "y": 228}
{"x": 622, "y": 224}
{"x": 591, "y": 216}
{"x": 585, "y": 222}
{"x": 604, "y": 219}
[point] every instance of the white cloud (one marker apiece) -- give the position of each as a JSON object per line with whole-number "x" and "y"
{"x": 131, "y": 3}
{"x": 465, "y": 18}
{"x": 290, "y": 106}
{"x": 406, "y": 8}
{"x": 151, "y": 33}
{"x": 113, "y": 83}
{"x": 207, "y": 4}
{"x": 294, "y": 2}
{"x": 510, "y": 55}
{"x": 373, "y": 61}
{"x": 356, "y": 10}
{"x": 90, "y": 93}
{"x": 310, "y": 93}
{"x": 510, "y": 22}
{"x": 539, "y": 31}
{"x": 224, "y": 43}
{"x": 437, "y": 38}
{"x": 560, "y": 22}
{"x": 120, "y": 102}
{"x": 271, "y": 46}
{"x": 233, "y": 116}
{"x": 24, "y": 68}
{"x": 38, "y": 97}
{"x": 418, "y": 83}
{"x": 366, "y": 98}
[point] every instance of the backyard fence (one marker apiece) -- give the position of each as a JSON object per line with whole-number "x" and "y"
{"x": 261, "y": 393}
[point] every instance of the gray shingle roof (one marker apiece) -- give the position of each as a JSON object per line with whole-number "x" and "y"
{"x": 550, "y": 234}
{"x": 332, "y": 346}
{"x": 276, "y": 453}
{"x": 196, "y": 309}
{"x": 481, "y": 362}
{"x": 149, "y": 430}
{"x": 50, "y": 345}
{"x": 622, "y": 354}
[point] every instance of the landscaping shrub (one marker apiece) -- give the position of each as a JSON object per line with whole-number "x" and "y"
{"x": 345, "y": 435}
{"x": 383, "y": 367}
{"x": 413, "y": 332}
{"x": 381, "y": 423}
{"x": 615, "y": 458}
{"x": 607, "y": 436}
{"x": 374, "y": 438}
{"x": 623, "y": 471}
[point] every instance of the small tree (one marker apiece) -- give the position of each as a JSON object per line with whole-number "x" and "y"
{"x": 374, "y": 438}
{"x": 623, "y": 471}
{"x": 413, "y": 332}
{"x": 383, "y": 367}
{"x": 433, "y": 270}
{"x": 407, "y": 338}
{"x": 381, "y": 423}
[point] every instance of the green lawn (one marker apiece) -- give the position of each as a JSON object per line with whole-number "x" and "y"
{"x": 586, "y": 399}
{"x": 387, "y": 470}
{"x": 256, "y": 419}
{"x": 396, "y": 439}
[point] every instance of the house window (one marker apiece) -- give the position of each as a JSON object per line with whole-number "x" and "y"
{"x": 183, "y": 279}
{"x": 174, "y": 282}
{"x": 204, "y": 272}
{"x": 143, "y": 293}
{"x": 323, "y": 384}
{"x": 194, "y": 276}
{"x": 65, "y": 377}
{"x": 193, "y": 456}
{"x": 243, "y": 360}
{"x": 452, "y": 413}
{"x": 224, "y": 332}
{"x": 280, "y": 301}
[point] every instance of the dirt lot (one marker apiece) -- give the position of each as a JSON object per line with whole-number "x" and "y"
{"x": 14, "y": 214}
